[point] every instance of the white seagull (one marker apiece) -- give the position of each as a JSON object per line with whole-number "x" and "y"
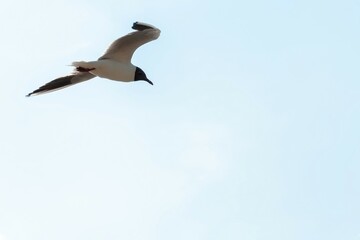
{"x": 115, "y": 64}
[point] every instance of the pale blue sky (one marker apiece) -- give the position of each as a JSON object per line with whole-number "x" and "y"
{"x": 250, "y": 132}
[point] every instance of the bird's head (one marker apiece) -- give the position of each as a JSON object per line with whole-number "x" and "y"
{"x": 141, "y": 76}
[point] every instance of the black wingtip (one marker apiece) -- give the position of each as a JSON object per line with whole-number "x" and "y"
{"x": 141, "y": 26}
{"x": 34, "y": 92}
{"x": 30, "y": 94}
{"x": 56, "y": 84}
{"x": 135, "y": 25}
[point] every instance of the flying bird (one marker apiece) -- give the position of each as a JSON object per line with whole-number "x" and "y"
{"x": 115, "y": 64}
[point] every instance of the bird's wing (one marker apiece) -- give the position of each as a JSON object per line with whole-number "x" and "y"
{"x": 62, "y": 82}
{"x": 122, "y": 49}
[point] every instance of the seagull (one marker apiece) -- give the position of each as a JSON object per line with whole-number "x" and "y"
{"x": 115, "y": 64}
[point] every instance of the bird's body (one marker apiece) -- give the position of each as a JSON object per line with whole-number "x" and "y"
{"x": 115, "y": 64}
{"x": 110, "y": 69}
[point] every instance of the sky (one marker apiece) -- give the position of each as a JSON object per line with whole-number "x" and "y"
{"x": 251, "y": 130}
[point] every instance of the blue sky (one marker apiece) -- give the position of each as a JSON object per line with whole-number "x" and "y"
{"x": 250, "y": 132}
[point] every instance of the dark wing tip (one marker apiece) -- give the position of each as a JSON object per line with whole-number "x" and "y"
{"x": 34, "y": 92}
{"x": 142, "y": 26}
{"x": 53, "y": 85}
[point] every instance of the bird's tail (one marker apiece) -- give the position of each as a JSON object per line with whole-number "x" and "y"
{"x": 62, "y": 82}
{"x": 83, "y": 66}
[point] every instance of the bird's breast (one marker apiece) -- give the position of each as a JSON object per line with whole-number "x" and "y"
{"x": 114, "y": 70}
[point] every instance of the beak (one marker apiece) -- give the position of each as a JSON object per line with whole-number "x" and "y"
{"x": 149, "y": 81}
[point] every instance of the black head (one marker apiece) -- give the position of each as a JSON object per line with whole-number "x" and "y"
{"x": 141, "y": 76}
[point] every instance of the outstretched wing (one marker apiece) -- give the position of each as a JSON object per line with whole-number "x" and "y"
{"x": 122, "y": 49}
{"x": 63, "y": 82}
